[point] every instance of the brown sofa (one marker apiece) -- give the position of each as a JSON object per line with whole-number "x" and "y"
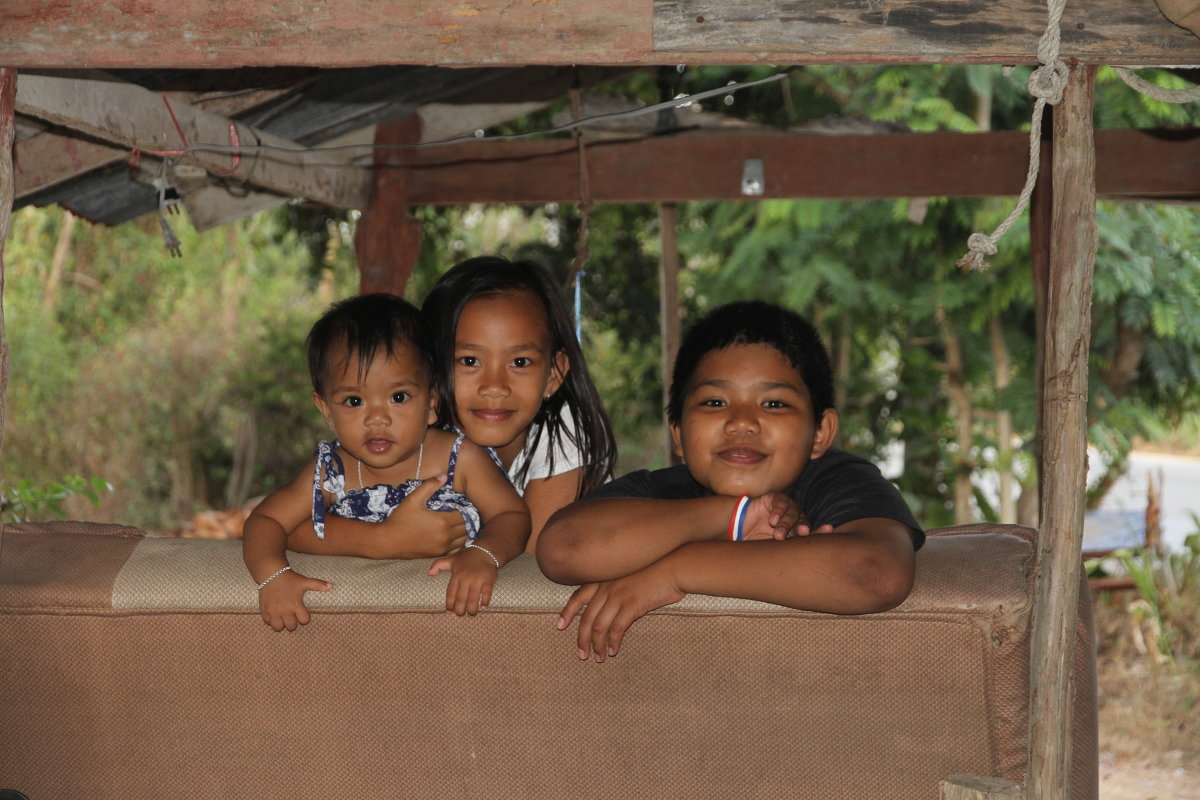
{"x": 137, "y": 667}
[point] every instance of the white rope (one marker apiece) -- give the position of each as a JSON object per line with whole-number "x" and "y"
{"x": 1139, "y": 84}
{"x": 1046, "y": 83}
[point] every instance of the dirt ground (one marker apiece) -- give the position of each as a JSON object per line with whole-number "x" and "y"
{"x": 1127, "y": 779}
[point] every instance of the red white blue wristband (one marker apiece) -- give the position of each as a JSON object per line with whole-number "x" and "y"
{"x": 738, "y": 519}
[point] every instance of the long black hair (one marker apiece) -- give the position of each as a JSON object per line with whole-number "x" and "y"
{"x": 492, "y": 275}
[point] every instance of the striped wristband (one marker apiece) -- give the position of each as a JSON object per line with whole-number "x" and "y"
{"x": 738, "y": 519}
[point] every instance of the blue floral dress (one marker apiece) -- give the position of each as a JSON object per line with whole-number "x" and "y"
{"x": 375, "y": 503}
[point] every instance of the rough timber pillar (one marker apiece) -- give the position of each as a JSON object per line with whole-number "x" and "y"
{"x": 387, "y": 241}
{"x": 8, "y": 102}
{"x": 1064, "y": 445}
{"x": 668, "y": 305}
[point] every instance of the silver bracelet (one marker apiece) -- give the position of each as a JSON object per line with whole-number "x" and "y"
{"x": 273, "y": 577}
{"x": 491, "y": 555}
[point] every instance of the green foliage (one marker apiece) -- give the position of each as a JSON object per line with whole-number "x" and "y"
{"x": 1169, "y": 604}
{"x": 182, "y": 380}
{"x": 27, "y": 502}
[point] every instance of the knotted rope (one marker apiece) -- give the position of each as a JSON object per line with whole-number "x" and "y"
{"x": 1046, "y": 83}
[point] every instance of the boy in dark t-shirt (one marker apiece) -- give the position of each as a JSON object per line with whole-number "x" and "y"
{"x": 762, "y": 508}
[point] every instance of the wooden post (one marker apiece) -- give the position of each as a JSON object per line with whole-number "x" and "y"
{"x": 1041, "y": 214}
{"x": 1068, "y": 340}
{"x": 668, "y": 303}
{"x": 8, "y": 128}
{"x": 387, "y": 240}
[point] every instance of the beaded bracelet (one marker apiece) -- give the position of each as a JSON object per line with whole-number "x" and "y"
{"x": 277, "y": 573}
{"x": 491, "y": 555}
{"x": 739, "y": 518}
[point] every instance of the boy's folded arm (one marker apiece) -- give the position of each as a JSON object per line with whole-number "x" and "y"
{"x": 862, "y": 567}
{"x": 606, "y": 538}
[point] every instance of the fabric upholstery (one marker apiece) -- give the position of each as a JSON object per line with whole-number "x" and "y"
{"x": 138, "y": 667}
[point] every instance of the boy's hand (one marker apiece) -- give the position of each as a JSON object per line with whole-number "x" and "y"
{"x": 776, "y": 515}
{"x": 613, "y": 606}
{"x": 471, "y": 582}
{"x": 281, "y": 601}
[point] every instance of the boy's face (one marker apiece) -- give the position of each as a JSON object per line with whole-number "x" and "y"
{"x": 747, "y": 424}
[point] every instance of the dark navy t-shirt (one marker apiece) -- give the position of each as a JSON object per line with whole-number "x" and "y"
{"x": 836, "y": 488}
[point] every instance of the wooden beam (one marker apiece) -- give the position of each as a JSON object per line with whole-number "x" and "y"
{"x": 668, "y": 169}
{"x": 387, "y": 240}
{"x": 8, "y": 132}
{"x": 342, "y": 33}
{"x": 52, "y": 157}
{"x": 136, "y": 118}
{"x": 1068, "y": 340}
{"x": 213, "y": 205}
{"x": 917, "y": 31}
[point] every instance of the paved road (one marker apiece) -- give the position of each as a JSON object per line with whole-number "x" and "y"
{"x": 1180, "y": 492}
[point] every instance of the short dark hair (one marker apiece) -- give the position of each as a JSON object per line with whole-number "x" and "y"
{"x": 364, "y": 325}
{"x": 490, "y": 276}
{"x": 755, "y": 322}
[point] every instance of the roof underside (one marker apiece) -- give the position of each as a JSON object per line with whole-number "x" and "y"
{"x": 172, "y": 78}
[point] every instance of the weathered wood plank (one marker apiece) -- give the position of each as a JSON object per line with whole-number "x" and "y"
{"x": 134, "y": 117}
{"x": 1064, "y": 455}
{"x": 881, "y": 31}
{"x": 972, "y": 787}
{"x": 211, "y": 33}
{"x": 8, "y": 132}
{"x": 1129, "y": 163}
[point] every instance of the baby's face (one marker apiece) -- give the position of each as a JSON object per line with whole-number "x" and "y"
{"x": 380, "y": 414}
{"x": 747, "y": 423}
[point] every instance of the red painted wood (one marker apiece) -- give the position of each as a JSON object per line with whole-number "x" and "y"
{"x": 709, "y": 167}
{"x": 387, "y": 241}
{"x": 222, "y": 33}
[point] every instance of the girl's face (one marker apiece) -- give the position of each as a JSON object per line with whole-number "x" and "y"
{"x": 503, "y": 368}
{"x": 380, "y": 417}
{"x": 747, "y": 423}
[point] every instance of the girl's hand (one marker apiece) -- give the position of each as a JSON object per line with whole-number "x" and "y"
{"x": 281, "y": 602}
{"x": 471, "y": 582}
{"x": 412, "y": 530}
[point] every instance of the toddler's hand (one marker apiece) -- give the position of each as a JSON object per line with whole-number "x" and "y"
{"x": 281, "y": 602}
{"x": 473, "y": 576}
